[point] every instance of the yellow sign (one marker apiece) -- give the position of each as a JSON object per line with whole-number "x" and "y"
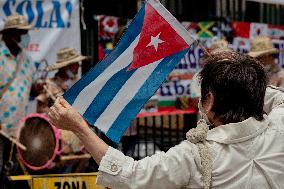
{"x": 65, "y": 181}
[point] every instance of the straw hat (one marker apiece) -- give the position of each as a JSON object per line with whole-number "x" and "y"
{"x": 17, "y": 22}
{"x": 65, "y": 57}
{"x": 219, "y": 45}
{"x": 261, "y": 46}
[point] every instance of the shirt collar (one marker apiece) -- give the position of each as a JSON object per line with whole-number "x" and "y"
{"x": 4, "y": 49}
{"x": 238, "y": 132}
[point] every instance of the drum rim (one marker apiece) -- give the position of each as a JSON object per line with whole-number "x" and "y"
{"x": 56, "y": 149}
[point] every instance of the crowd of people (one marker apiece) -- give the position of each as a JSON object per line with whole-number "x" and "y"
{"x": 240, "y": 97}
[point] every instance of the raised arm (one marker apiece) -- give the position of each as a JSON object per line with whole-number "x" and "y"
{"x": 162, "y": 170}
{"x": 172, "y": 169}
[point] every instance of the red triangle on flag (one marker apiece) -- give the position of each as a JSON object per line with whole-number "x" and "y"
{"x": 157, "y": 40}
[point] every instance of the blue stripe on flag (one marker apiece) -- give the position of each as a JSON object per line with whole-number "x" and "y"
{"x": 128, "y": 37}
{"x": 143, "y": 95}
{"x": 106, "y": 94}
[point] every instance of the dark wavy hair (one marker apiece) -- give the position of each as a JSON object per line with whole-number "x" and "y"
{"x": 238, "y": 83}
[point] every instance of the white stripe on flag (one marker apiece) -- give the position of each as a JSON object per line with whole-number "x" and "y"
{"x": 124, "y": 96}
{"x": 88, "y": 94}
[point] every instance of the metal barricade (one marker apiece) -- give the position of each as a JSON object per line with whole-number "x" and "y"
{"x": 161, "y": 132}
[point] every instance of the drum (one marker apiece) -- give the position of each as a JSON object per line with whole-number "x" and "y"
{"x": 41, "y": 140}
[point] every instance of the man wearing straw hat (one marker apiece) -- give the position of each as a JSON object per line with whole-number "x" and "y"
{"x": 16, "y": 71}
{"x": 67, "y": 66}
{"x": 262, "y": 49}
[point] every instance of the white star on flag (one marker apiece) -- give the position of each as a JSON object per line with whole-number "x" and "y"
{"x": 155, "y": 41}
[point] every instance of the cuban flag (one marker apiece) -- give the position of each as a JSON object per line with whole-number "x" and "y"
{"x": 112, "y": 93}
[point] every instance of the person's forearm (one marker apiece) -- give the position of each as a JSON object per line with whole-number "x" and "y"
{"x": 95, "y": 146}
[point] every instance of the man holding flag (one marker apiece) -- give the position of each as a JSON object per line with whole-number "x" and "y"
{"x": 243, "y": 150}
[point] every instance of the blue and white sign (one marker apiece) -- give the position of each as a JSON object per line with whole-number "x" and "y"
{"x": 56, "y": 25}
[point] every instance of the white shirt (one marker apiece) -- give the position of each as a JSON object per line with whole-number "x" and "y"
{"x": 246, "y": 155}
